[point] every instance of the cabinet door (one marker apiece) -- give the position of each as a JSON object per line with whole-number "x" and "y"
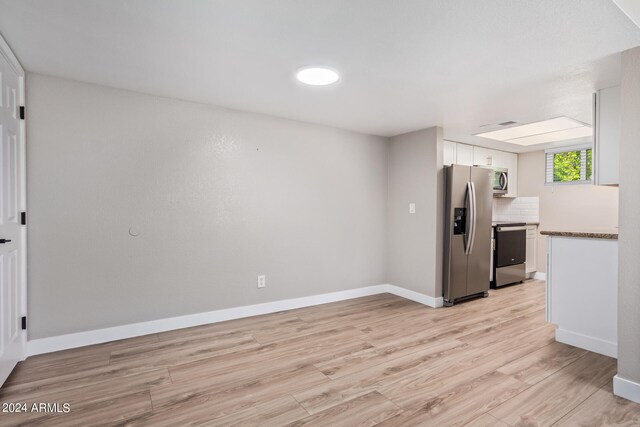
{"x": 448, "y": 152}
{"x": 483, "y": 156}
{"x": 464, "y": 154}
{"x": 532, "y": 238}
{"x": 606, "y": 153}
{"x": 500, "y": 159}
{"x": 512, "y": 164}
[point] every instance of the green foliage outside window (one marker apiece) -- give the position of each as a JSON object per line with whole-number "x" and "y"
{"x": 568, "y": 166}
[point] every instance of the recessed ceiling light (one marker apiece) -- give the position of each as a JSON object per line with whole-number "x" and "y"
{"x": 559, "y": 135}
{"x": 317, "y": 76}
{"x": 558, "y": 129}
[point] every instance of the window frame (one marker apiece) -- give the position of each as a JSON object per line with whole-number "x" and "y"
{"x": 559, "y": 150}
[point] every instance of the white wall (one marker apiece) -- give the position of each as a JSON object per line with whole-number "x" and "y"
{"x": 565, "y": 207}
{"x": 415, "y": 240}
{"x": 217, "y": 197}
{"x": 629, "y": 241}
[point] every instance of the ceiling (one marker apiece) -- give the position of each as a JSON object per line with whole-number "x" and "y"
{"x": 405, "y": 65}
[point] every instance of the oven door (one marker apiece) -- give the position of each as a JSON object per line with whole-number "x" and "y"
{"x": 511, "y": 246}
{"x": 500, "y": 181}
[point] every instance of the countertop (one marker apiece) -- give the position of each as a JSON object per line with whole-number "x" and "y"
{"x": 600, "y": 234}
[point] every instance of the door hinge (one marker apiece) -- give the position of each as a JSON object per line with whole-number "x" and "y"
{"x": 23, "y": 322}
{"x": 22, "y": 112}
{"x": 23, "y": 218}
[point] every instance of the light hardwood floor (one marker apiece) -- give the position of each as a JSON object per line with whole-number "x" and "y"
{"x": 376, "y": 360}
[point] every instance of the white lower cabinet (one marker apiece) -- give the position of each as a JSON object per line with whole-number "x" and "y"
{"x": 582, "y": 292}
{"x": 532, "y": 245}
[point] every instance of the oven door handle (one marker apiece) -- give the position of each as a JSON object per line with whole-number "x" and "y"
{"x": 504, "y": 181}
{"x": 507, "y": 229}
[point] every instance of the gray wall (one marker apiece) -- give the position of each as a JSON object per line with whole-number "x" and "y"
{"x": 629, "y": 241}
{"x": 217, "y": 197}
{"x": 415, "y": 240}
{"x": 565, "y": 207}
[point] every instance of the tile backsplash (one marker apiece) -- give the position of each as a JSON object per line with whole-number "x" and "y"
{"x": 522, "y": 209}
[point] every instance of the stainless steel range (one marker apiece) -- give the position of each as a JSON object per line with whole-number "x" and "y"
{"x": 509, "y": 253}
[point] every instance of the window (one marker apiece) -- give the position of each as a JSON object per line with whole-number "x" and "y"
{"x": 569, "y": 165}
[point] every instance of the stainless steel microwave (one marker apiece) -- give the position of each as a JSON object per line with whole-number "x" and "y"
{"x": 500, "y": 182}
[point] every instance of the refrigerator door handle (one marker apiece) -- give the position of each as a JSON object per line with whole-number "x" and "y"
{"x": 467, "y": 226}
{"x": 471, "y": 220}
{"x": 473, "y": 217}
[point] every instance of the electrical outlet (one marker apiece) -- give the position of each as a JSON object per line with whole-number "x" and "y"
{"x": 262, "y": 281}
{"x": 412, "y": 208}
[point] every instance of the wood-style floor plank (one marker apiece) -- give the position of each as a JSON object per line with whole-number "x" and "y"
{"x": 486, "y": 420}
{"x": 277, "y": 412}
{"x": 423, "y": 386}
{"x": 29, "y": 372}
{"x": 328, "y": 394}
{"x": 547, "y": 401}
{"x": 234, "y": 392}
{"x": 281, "y": 355}
{"x": 377, "y": 360}
{"x": 603, "y": 409}
{"x": 105, "y": 411}
{"x": 359, "y": 361}
{"x": 250, "y": 410}
{"x": 366, "y": 410}
{"x": 538, "y": 365}
{"x": 460, "y": 404}
{"x": 177, "y": 352}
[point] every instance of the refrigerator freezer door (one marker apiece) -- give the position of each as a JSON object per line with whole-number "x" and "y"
{"x": 455, "y": 261}
{"x": 478, "y": 262}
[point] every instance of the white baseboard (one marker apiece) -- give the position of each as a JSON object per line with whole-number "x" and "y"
{"x": 596, "y": 345}
{"x": 415, "y": 296}
{"x": 538, "y": 275}
{"x": 626, "y": 388}
{"x": 98, "y": 336}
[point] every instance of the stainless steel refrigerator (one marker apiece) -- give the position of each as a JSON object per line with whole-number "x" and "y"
{"x": 467, "y": 232}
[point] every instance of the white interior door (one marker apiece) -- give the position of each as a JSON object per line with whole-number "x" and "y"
{"x": 12, "y": 204}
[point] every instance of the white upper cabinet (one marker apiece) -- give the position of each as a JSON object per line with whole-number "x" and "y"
{"x": 482, "y": 156}
{"x": 606, "y": 136}
{"x": 457, "y": 153}
{"x": 470, "y": 155}
{"x": 499, "y": 159}
{"x": 449, "y": 152}
{"x": 464, "y": 154}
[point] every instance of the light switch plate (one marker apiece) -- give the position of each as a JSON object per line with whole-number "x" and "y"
{"x": 412, "y": 208}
